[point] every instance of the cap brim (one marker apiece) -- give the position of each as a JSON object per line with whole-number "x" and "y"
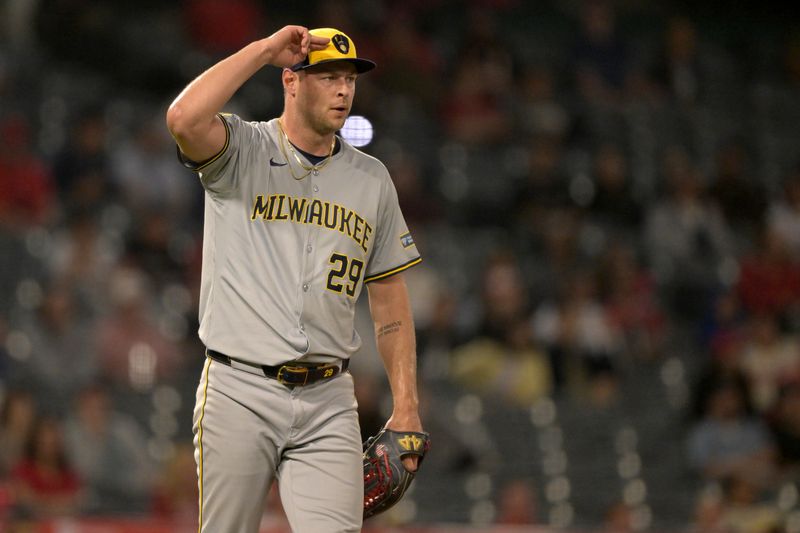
{"x": 362, "y": 65}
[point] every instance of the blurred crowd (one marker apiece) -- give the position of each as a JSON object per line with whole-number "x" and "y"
{"x": 597, "y": 188}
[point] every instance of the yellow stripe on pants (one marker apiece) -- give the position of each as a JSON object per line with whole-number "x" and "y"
{"x": 200, "y": 448}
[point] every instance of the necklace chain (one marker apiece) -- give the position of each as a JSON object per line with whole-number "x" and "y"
{"x": 313, "y": 168}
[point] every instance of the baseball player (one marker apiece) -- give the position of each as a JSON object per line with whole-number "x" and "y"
{"x": 297, "y": 222}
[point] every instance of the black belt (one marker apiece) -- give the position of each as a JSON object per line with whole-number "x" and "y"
{"x": 292, "y": 374}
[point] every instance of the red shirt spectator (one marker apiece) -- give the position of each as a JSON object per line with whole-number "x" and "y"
{"x": 44, "y": 484}
{"x": 769, "y": 280}
{"x": 631, "y": 302}
{"x": 219, "y": 26}
{"x": 26, "y": 190}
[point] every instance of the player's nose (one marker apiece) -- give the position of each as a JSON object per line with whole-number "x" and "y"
{"x": 344, "y": 87}
{"x": 343, "y": 90}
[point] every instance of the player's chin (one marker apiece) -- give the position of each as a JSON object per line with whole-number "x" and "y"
{"x": 338, "y": 117}
{"x": 331, "y": 122}
{"x": 335, "y": 126}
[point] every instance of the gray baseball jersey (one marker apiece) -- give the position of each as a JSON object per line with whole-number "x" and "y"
{"x": 285, "y": 259}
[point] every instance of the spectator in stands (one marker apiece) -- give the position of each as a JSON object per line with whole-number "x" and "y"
{"x": 501, "y": 359}
{"x": 145, "y": 173}
{"x": 769, "y": 277}
{"x": 544, "y": 188}
{"x": 678, "y": 68}
{"x": 441, "y": 333}
{"x": 559, "y": 251}
{"x": 475, "y": 109}
{"x": 413, "y": 62}
{"x": 541, "y": 112}
{"x": 628, "y": 295}
{"x": 686, "y": 239}
{"x": 727, "y": 441}
{"x": 82, "y": 256}
{"x": 484, "y": 38}
{"x": 723, "y": 328}
{"x": 421, "y": 206}
{"x": 723, "y": 367}
{"x": 741, "y": 198}
{"x": 151, "y": 248}
{"x": 82, "y": 169}
{"x": 783, "y": 218}
{"x": 26, "y": 188}
{"x": 511, "y": 370}
{"x": 768, "y": 359}
{"x": 44, "y": 482}
{"x": 99, "y": 440}
{"x": 600, "y": 54}
{"x": 504, "y": 298}
{"x": 472, "y": 112}
{"x": 133, "y": 352}
{"x": 17, "y": 417}
{"x": 61, "y": 360}
{"x": 545, "y": 185}
{"x": 613, "y": 204}
{"x": 576, "y": 331}
{"x": 517, "y": 503}
{"x": 745, "y": 508}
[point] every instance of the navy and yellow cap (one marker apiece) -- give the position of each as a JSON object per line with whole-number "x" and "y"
{"x": 340, "y": 48}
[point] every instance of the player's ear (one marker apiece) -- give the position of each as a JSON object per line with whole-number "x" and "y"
{"x": 289, "y": 79}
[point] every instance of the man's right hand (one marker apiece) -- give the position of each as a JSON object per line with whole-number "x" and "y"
{"x": 291, "y": 44}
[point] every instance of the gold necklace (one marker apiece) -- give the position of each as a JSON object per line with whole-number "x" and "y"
{"x": 313, "y": 168}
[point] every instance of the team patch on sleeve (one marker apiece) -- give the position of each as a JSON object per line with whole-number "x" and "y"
{"x": 406, "y": 240}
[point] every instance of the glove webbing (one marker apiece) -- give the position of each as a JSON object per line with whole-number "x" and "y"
{"x": 382, "y": 472}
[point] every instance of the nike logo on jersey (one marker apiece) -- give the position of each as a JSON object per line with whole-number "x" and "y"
{"x": 274, "y": 163}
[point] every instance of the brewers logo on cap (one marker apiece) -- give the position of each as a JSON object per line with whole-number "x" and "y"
{"x": 341, "y": 42}
{"x": 340, "y": 48}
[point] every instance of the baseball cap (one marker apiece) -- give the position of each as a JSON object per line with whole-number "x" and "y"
{"x": 340, "y": 48}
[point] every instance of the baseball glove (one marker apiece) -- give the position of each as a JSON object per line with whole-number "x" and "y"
{"x": 385, "y": 477}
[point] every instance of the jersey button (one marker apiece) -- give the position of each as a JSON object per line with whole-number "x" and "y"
{"x": 305, "y": 287}
{"x": 308, "y": 248}
{"x": 316, "y": 188}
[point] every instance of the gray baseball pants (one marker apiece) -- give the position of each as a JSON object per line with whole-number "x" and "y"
{"x": 250, "y": 430}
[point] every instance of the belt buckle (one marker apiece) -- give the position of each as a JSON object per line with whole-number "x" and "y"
{"x": 292, "y": 370}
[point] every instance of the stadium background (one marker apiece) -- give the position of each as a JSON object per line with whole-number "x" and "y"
{"x": 607, "y": 198}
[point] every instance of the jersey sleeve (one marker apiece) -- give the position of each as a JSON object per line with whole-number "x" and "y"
{"x": 394, "y": 248}
{"x": 218, "y": 173}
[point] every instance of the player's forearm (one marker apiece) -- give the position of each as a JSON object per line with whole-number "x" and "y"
{"x": 397, "y": 346}
{"x": 394, "y": 333}
{"x": 196, "y": 106}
